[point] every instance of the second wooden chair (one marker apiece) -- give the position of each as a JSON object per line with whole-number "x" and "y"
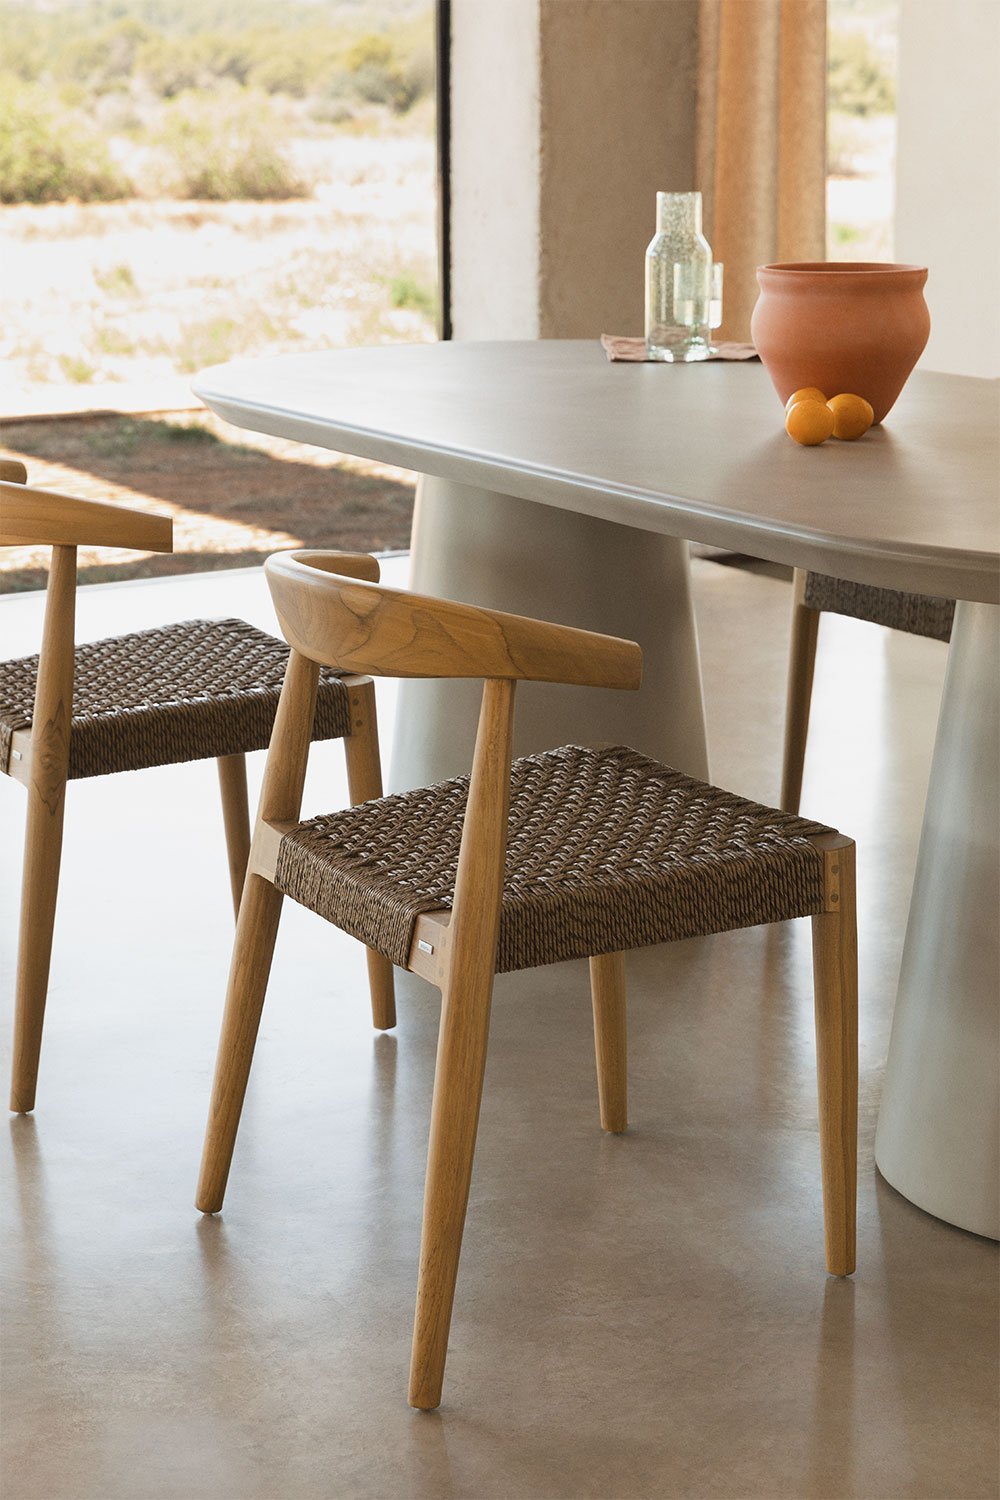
{"x": 569, "y": 854}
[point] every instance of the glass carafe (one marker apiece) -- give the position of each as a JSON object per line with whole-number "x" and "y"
{"x": 678, "y": 281}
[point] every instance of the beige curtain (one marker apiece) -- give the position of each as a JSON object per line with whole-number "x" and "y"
{"x": 761, "y": 147}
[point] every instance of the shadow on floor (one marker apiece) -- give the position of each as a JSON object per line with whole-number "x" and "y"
{"x": 232, "y": 498}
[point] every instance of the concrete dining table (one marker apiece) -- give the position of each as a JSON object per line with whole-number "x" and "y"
{"x": 558, "y": 485}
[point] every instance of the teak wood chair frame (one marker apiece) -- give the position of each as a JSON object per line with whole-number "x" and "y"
{"x": 925, "y": 616}
{"x": 39, "y": 757}
{"x": 330, "y": 618}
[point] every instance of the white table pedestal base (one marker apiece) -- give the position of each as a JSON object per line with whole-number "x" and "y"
{"x": 938, "y": 1139}
{"x": 486, "y": 548}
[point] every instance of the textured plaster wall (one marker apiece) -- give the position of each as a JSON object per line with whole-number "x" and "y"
{"x": 617, "y": 125}
{"x": 948, "y": 175}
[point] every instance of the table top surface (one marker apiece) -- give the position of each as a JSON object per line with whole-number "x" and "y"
{"x": 697, "y": 451}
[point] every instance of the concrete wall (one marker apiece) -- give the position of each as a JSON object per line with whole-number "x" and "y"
{"x": 617, "y": 126}
{"x": 948, "y": 175}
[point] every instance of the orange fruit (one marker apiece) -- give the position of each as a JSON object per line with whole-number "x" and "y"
{"x": 807, "y": 393}
{"x": 809, "y": 422}
{"x": 852, "y": 416}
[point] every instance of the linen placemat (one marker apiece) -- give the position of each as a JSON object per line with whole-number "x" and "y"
{"x": 618, "y": 347}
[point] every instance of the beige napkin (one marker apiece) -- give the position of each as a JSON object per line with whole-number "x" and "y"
{"x": 617, "y": 347}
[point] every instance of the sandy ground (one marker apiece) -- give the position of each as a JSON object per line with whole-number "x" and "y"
{"x": 101, "y": 294}
{"x": 119, "y": 305}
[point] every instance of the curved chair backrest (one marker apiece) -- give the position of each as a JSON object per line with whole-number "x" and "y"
{"x": 31, "y": 517}
{"x": 333, "y": 611}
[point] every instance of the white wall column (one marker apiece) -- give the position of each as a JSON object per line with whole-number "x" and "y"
{"x": 948, "y": 175}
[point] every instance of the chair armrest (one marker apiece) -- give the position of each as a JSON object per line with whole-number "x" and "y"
{"x": 31, "y": 517}
{"x": 366, "y": 627}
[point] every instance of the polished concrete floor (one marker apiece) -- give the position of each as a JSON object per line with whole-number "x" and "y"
{"x": 637, "y": 1317}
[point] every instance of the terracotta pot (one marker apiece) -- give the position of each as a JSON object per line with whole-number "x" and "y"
{"x": 841, "y": 326}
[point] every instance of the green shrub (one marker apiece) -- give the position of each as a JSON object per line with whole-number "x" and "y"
{"x": 221, "y": 338}
{"x": 224, "y": 146}
{"x": 407, "y": 291}
{"x": 421, "y": 72}
{"x": 105, "y": 57}
{"x": 377, "y": 76}
{"x": 293, "y": 62}
{"x": 112, "y": 338}
{"x": 859, "y": 81}
{"x": 76, "y": 369}
{"x": 290, "y": 47}
{"x": 50, "y": 155}
{"x": 331, "y": 109}
{"x": 170, "y": 64}
{"x": 117, "y": 280}
{"x": 370, "y": 50}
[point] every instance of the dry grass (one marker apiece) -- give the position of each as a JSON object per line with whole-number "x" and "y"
{"x": 142, "y": 290}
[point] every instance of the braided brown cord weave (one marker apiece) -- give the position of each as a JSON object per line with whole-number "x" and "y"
{"x": 607, "y": 851}
{"x": 918, "y": 614}
{"x": 157, "y": 697}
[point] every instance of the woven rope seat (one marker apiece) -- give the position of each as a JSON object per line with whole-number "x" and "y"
{"x": 607, "y": 851}
{"x": 918, "y": 614}
{"x": 183, "y": 692}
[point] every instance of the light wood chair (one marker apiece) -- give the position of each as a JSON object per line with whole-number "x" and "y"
{"x": 204, "y": 688}
{"x": 572, "y": 853}
{"x": 814, "y": 593}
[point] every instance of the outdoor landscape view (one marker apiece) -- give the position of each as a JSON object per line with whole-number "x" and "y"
{"x": 190, "y": 180}
{"x": 862, "y": 44}
{"x": 184, "y": 182}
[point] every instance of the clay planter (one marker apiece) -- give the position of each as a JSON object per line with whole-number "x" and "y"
{"x": 841, "y": 326}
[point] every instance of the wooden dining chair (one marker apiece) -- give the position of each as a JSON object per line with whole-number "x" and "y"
{"x": 814, "y": 593}
{"x": 568, "y": 854}
{"x": 204, "y": 688}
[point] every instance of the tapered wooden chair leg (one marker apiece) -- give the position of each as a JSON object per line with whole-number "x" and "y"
{"x": 49, "y": 771}
{"x": 256, "y": 930}
{"x": 382, "y": 990}
{"x": 236, "y": 819}
{"x": 40, "y": 888}
{"x": 465, "y": 1023}
{"x": 801, "y": 667}
{"x": 835, "y": 970}
{"x": 607, "y": 988}
{"x": 458, "y": 1087}
{"x": 364, "y": 780}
